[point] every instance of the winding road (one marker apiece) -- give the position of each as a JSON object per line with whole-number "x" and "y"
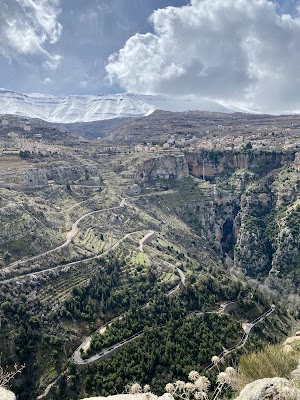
{"x": 69, "y": 238}
{"x": 247, "y": 329}
{"x": 108, "y": 352}
{"x": 73, "y": 263}
{"x": 148, "y": 236}
{"x": 112, "y": 350}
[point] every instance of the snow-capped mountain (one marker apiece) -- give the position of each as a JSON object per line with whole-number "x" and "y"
{"x": 83, "y": 108}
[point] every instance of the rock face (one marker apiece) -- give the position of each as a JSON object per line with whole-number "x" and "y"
{"x": 133, "y": 190}
{"x": 59, "y": 174}
{"x": 250, "y": 210}
{"x": 35, "y": 177}
{"x": 6, "y": 394}
{"x": 212, "y": 163}
{"x": 269, "y": 388}
{"x": 165, "y": 167}
{"x": 267, "y": 226}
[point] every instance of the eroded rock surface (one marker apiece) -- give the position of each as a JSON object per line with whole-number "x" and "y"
{"x": 269, "y": 388}
{"x": 165, "y": 167}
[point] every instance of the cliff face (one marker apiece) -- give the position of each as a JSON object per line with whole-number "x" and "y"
{"x": 250, "y": 211}
{"x": 164, "y": 167}
{"x": 212, "y": 163}
{"x": 268, "y": 225}
{"x": 58, "y": 174}
{"x": 259, "y": 218}
{"x": 297, "y": 162}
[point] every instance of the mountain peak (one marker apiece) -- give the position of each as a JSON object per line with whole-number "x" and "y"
{"x": 85, "y": 108}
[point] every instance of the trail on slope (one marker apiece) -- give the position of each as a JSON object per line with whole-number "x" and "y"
{"x": 69, "y": 238}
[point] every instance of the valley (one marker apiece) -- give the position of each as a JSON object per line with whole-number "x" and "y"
{"x": 120, "y": 256}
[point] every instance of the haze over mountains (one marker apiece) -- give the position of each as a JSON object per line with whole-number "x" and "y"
{"x": 84, "y": 108}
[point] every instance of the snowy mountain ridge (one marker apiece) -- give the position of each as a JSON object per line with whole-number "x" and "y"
{"x": 85, "y": 108}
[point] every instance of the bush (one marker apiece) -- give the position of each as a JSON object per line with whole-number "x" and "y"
{"x": 270, "y": 362}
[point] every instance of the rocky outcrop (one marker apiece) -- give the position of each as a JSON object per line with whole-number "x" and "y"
{"x": 253, "y": 251}
{"x": 35, "y": 177}
{"x": 6, "y": 394}
{"x": 139, "y": 396}
{"x": 288, "y": 344}
{"x": 121, "y": 397}
{"x": 133, "y": 190}
{"x": 270, "y": 388}
{"x": 59, "y": 174}
{"x": 267, "y": 225}
{"x": 262, "y": 389}
{"x": 214, "y": 162}
{"x": 164, "y": 167}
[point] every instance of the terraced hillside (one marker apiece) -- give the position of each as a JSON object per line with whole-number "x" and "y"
{"x": 161, "y": 235}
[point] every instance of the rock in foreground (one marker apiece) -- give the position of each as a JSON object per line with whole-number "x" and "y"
{"x": 270, "y": 388}
{"x": 140, "y": 396}
{"x": 6, "y": 394}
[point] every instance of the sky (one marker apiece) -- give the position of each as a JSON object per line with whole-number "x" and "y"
{"x": 242, "y": 52}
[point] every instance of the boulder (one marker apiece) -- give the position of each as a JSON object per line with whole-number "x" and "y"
{"x": 6, "y": 394}
{"x": 270, "y": 388}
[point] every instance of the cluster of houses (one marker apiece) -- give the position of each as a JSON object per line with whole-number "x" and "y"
{"x": 171, "y": 143}
{"x": 17, "y": 139}
{"x": 267, "y": 137}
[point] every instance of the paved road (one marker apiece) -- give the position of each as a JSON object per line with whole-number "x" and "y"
{"x": 105, "y": 353}
{"x": 69, "y": 237}
{"x": 144, "y": 239}
{"x": 224, "y": 307}
{"x": 74, "y": 263}
{"x": 247, "y": 328}
{"x": 181, "y": 275}
{"x": 73, "y": 232}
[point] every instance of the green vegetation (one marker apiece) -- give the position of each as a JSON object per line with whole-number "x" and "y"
{"x": 270, "y": 362}
{"x": 163, "y": 354}
{"x": 25, "y": 154}
{"x": 243, "y": 219}
{"x": 107, "y": 293}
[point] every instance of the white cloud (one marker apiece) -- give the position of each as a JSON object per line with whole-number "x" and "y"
{"x": 232, "y": 50}
{"x": 53, "y": 62}
{"x": 47, "y": 81}
{"x": 83, "y": 84}
{"x": 28, "y": 26}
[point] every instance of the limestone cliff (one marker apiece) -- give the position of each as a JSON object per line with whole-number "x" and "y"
{"x": 212, "y": 163}
{"x": 267, "y": 226}
{"x": 57, "y": 173}
{"x": 163, "y": 167}
{"x": 248, "y": 210}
